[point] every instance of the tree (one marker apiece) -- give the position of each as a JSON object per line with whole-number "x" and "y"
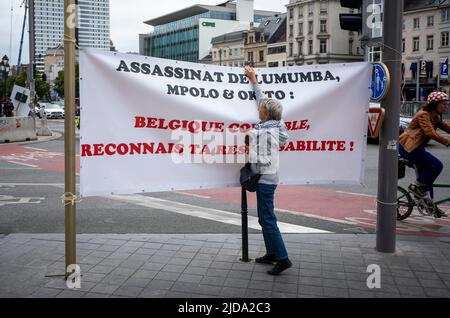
{"x": 59, "y": 82}
{"x": 42, "y": 88}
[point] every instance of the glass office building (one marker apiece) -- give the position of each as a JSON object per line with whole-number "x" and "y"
{"x": 178, "y": 35}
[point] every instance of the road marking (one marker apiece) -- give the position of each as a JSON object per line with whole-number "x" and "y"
{"x": 315, "y": 216}
{"x": 9, "y": 199}
{"x": 23, "y": 164}
{"x": 360, "y": 194}
{"x": 194, "y": 195}
{"x": 207, "y": 213}
{"x": 31, "y": 184}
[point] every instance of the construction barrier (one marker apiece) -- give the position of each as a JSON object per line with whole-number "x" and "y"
{"x": 13, "y": 129}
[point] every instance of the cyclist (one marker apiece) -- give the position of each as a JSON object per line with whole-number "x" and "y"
{"x": 422, "y": 128}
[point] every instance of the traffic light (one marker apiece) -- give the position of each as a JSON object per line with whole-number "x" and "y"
{"x": 352, "y": 21}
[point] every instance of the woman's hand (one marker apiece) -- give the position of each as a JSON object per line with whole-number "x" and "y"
{"x": 250, "y": 72}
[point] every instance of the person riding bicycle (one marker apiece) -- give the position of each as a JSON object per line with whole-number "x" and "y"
{"x": 422, "y": 128}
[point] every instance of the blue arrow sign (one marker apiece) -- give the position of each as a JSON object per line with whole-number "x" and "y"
{"x": 444, "y": 69}
{"x": 380, "y": 82}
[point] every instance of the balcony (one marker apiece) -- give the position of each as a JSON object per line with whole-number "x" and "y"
{"x": 323, "y": 35}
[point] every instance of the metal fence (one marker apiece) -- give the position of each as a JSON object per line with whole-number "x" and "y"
{"x": 409, "y": 109}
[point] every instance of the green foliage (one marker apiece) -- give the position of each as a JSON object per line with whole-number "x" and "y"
{"x": 59, "y": 82}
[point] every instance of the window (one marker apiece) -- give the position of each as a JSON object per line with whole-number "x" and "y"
{"x": 250, "y": 56}
{"x": 350, "y": 47}
{"x": 310, "y": 47}
{"x": 291, "y": 49}
{"x": 215, "y": 54}
{"x": 323, "y": 26}
{"x": 323, "y": 46}
{"x": 300, "y": 29}
{"x": 444, "y": 38}
{"x": 430, "y": 21}
{"x": 310, "y": 27}
{"x": 445, "y": 15}
{"x": 416, "y": 44}
{"x": 310, "y": 9}
{"x": 416, "y": 23}
{"x": 291, "y": 13}
{"x": 261, "y": 56}
{"x": 403, "y": 45}
{"x": 403, "y": 25}
{"x": 291, "y": 30}
{"x": 323, "y": 7}
{"x": 430, "y": 42}
{"x": 300, "y": 48}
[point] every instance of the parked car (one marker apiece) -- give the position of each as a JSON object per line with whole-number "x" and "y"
{"x": 53, "y": 111}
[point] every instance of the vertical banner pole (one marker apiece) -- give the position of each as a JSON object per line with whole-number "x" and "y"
{"x": 69, "y": 132}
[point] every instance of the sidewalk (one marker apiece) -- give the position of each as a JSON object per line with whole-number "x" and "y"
{"x": 207, "y": 265}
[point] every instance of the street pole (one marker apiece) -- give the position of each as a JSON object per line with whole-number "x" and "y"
{"x": 388, "y": 153}
{"x": 418, "y": 81}
{"x": 438, "y": 84}
{"x": 69, "y": 133}
{"x": 30, "y": 74}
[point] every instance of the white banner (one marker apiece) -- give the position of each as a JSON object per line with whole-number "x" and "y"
{"x": 135, "y": 110}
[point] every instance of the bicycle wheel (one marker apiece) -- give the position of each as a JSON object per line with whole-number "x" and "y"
{"x": 405, "y": 204}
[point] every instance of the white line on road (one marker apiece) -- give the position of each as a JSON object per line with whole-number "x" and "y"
{"x": 315, "y": 216}
{"x": 360, "y": 194}
{"x": 207, "y": 213}
{"x": 194, "y": 195}
{"x": 23, "y": 164}
{"x": 31, "y": 184}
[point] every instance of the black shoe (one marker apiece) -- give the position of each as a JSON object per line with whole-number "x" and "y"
{"x": 418, "y": 191}
{"x": 279, "y": 267}
{"x": 266, "y": 259}
{"x": 438, "y": 213}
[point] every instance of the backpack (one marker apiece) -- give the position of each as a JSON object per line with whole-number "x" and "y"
{"x": 249, "y": 179}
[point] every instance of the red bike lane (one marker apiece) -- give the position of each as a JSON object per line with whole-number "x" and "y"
{"x": 28, "y": 156}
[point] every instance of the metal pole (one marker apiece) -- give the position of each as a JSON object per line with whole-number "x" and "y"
{"x": 388, "y": 154}
{"x": 438, "y": 84}
{"x": 30, "y": 74}
{"x": 69, "y": 131}
{"x": 418, "y": 81}
{"x": 244, "y": 215}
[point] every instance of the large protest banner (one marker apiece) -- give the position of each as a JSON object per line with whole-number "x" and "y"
{"x": 136, "y": 112}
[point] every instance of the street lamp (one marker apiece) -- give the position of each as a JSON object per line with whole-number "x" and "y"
{"x": 4, "y": 68}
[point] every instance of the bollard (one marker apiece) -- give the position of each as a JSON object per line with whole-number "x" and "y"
{"x": 244, "y": 214}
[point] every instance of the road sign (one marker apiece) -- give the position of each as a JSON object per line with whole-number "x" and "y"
{"x": 381, "y": 81}
{"x": 376, "y": 116}
{"x": 444, "y": 69}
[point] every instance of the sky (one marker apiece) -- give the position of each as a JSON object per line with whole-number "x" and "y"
{"x": 127, "y": 18}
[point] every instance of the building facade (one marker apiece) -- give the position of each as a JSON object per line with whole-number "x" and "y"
{"x": 425, "y": 45}
{"x": 93, "y": 26}
{"x": 260, "y": 46}
{"x": 54, "y": 63}
{"x": 228, "y": 49}
{"x": 186, "y": 34}
{"x": 314, "y": 35}
{"x": 271, "y": 32}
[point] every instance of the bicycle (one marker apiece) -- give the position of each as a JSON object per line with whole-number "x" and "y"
{"x": 406, "y": 200}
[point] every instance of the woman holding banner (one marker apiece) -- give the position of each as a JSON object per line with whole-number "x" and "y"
{"x": 269, "y": 134}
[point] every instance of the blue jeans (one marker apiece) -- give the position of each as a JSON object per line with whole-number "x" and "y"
{"x": 429, "y": 167}
{"x": 268, "y": 221}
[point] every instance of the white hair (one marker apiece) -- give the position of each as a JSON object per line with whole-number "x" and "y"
{"x": 273, "y": 108}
